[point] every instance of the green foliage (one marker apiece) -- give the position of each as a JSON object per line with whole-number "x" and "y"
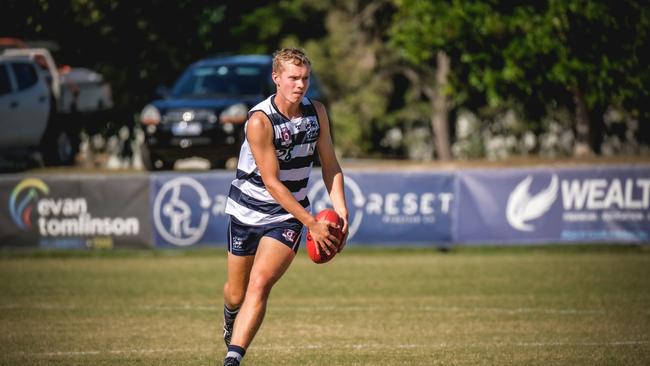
{"x": 264, "y": 28}
{"x": 350, "y": 61}
{"x": 535, "y": 52}
{"x": 138, "y": 46}
{"x": 532, "y": 54}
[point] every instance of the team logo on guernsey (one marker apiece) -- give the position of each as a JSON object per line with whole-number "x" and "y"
{"x": 290, "y": 235}
{"x": 312, "y": 130}
{"x": 285, "y": 134}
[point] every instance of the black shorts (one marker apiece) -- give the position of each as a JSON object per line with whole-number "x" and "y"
{"x": 243, "y": 239}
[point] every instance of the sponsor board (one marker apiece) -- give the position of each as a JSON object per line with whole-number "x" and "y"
{"x": 74, "y": 212}
{"x": 393, "y": 207}
{"x": 384, "y": 208}
{"x": 554, "y": 205}
{"x": 505, "y": 206}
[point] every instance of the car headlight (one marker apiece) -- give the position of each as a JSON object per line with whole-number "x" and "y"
{"x": 150, "y": 115}
{"x": 228, "y": 128}
{"x": 236, "y": 113}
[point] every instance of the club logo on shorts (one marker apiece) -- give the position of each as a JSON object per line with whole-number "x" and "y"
{"x": 290, "y": 235}
{"x": 237, "y": 242}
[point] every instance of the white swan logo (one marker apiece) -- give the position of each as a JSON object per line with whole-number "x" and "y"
{"x": 178, "y": 213}
{"x": 522, "y": 207}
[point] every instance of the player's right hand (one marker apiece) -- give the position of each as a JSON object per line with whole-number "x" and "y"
{"x": 325, "y": 241}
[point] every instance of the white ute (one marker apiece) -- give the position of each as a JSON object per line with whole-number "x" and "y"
{"x": 75, "y": 94}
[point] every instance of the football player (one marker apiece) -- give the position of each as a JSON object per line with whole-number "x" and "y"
{"x": 268, "y": 203}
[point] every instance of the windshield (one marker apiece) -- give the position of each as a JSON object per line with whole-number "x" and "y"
{"x": 221, "y": 80}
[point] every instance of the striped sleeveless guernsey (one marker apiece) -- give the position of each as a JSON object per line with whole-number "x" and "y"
{"x": 295, "y": 144}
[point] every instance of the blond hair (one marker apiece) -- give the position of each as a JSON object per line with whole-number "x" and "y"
{"x": 294, "y": 55}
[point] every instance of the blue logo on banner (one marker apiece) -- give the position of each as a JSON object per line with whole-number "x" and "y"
{"x": 174, "y": 218}
{"x": 523, "y": 207}
{"x": 189, "y": 209}
{"x": 319, "y": 199}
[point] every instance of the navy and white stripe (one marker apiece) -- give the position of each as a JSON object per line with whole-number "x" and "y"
{"x": 295, "y": 145}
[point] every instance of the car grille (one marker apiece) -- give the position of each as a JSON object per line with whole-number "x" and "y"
{"x": 190, "y": 141}
{"x": 200, "y": 115}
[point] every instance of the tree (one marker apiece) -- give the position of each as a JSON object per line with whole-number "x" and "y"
{"x": 420, "y": 32}
{"x": 599, "y": 59}
{"x": 351, "y": 62}
{"x": 346, "y": 41}
{"x": 576, "y": 53}
{"x": 137, "y": 46}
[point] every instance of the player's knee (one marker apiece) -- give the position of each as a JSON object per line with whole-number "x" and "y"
{"x": 260, "y": 287}
{"x": 234, "y": 294}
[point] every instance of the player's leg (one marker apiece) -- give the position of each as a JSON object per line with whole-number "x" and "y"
{"x": 234, "y": 290}
{"x": 242, "y": 245}
{"x": 271, "y": 261}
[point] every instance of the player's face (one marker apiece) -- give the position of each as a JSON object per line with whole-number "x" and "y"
{"x": 292, "y": 82}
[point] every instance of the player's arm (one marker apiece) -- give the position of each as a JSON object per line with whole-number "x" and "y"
{"x": 259, "y": 133}
{"x": 332, "y": 173}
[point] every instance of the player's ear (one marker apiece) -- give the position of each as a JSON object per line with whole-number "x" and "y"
{"x": 276, "y": 78}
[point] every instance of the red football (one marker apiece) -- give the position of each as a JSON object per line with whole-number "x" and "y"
{"x": 325, "y": 215}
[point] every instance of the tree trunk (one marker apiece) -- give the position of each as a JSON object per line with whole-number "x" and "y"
{"x": 597, "y": 128}
{"x": 440, "y": 104}
{"x": 581, "y": 145}
{"x": 433, "y": 87}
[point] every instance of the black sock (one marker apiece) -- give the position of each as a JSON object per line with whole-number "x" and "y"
{"x": 229, "y": 315}
{"x": 235, "y": 352}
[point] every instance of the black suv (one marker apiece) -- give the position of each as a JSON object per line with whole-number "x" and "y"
{"x": 204, "y": 114}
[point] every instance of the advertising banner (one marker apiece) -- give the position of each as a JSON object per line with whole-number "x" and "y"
{"x": 188, "y": 209}
{"x": 384, "y": 208}
{"x": 393, "y": 207}
{"x": 74, "y": 211}
{"x": 518, "y": 206}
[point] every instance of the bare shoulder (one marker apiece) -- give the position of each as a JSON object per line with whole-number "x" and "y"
{"x": 258, "y": 118}
{"x": 320, "y": 111}
{"x": 258, "y": 126}
{"x": 320, "y": 107}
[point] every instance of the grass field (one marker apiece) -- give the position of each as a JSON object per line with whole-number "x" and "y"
{"x": 488, "y": 306}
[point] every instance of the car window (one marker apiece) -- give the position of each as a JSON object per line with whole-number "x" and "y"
{"x": 220, "y": 80}
{"x": 25, "y": 74}
{"x": 5, "y": 83}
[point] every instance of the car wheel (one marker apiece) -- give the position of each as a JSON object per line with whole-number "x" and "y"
{"x": 160, "y": 164}
{"x": 146, "y": 157}
{"x": 59, "y": 147}
{"x": 152, "y": 161}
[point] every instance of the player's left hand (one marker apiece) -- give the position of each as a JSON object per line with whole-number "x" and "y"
{"x": 344, "y": 216}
